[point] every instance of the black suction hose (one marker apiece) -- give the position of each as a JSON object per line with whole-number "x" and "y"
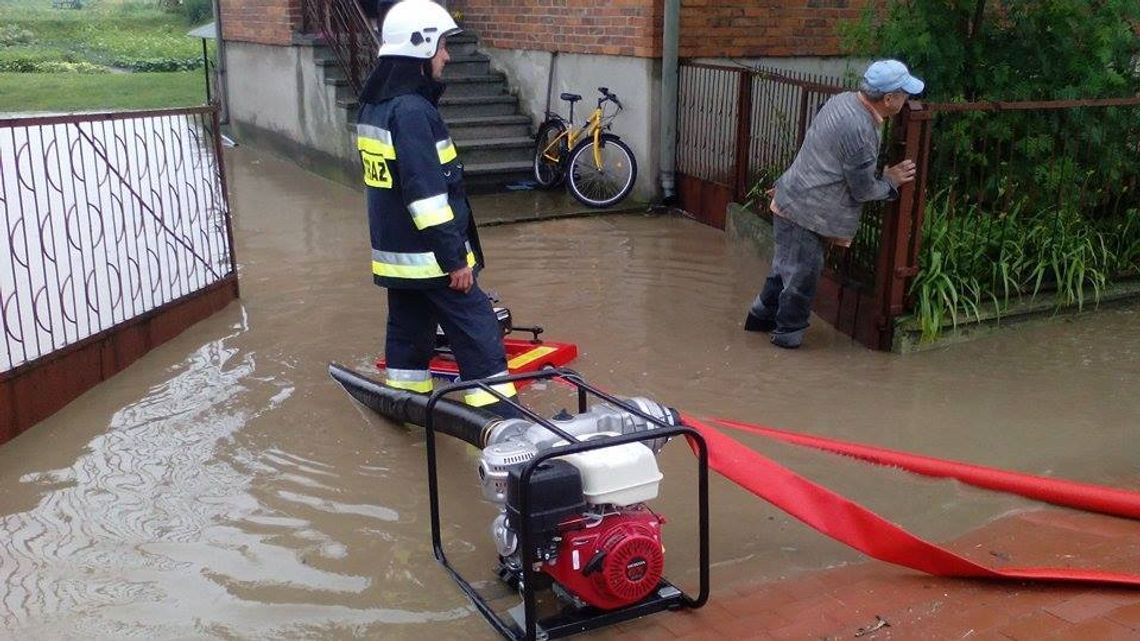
{"x": 464, "y": 422}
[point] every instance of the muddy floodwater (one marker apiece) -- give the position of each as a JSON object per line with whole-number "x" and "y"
{"x": 224, "y": 487}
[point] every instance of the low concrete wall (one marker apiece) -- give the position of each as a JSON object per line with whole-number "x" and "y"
{"x": 278, "y": 101}
{"x": 636, "y": 81}
{"x": 1026, "y": 313}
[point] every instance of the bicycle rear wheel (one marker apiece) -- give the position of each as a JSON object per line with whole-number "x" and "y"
{"x": 604, "y": 185}
{"x": 549, "y": 171}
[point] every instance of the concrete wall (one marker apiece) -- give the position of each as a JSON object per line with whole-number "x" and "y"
{"x": 278, "y": 100}
{"x": 636, "y": 81}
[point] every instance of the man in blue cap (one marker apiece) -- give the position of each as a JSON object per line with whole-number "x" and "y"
{"x": 819, "y": 199}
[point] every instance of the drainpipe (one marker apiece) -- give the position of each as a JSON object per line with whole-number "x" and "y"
{"x": 223, "y": 81}
{"x": 669, "y": 46}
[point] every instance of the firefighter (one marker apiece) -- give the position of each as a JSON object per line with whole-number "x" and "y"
{"x": 425, "y": 248}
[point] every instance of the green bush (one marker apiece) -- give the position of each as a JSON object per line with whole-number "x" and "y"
{"x": 12, "y": 35}
{"x": 973, "y": 259}
{"x": 1056, "y": 186}
{"x": 198, "y": 11}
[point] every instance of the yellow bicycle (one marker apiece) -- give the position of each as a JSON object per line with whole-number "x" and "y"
{"x": 599, "y": 169}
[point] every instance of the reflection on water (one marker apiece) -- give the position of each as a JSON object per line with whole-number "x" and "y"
{"x": 223, "y": 487}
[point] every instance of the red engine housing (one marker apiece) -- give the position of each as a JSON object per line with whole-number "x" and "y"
{"x": 615, "y": 563}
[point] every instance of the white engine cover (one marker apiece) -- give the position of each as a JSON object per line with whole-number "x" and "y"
{"x": 620, "y": 475}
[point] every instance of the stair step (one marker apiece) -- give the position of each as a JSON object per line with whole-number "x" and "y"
{"x": 491, "y": 84}
{"x": 489, "y": 127}
{"x": 463, "y": 44}
{"x": 475, "y": 64}
{"x": 488, "y": 177}
{"x": 467, "y": 106}
{"x": 495, "y": 150}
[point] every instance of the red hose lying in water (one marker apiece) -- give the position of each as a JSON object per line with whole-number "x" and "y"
{"x": 1091, "y": 498}
{"x": 858, "y": 527}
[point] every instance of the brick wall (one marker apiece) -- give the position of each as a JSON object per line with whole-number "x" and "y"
{"x": 614, "y": 27}
{"x": 709, "y": 28}
{"x": 746, "y": 28}
{"x": 270, "y": 22}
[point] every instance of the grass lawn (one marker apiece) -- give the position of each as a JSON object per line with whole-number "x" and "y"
{"x": 24, "y": 92}
{"x": 65, "y": 60}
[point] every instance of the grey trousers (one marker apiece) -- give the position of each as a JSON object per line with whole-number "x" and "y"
{"x": 790, "y": 288}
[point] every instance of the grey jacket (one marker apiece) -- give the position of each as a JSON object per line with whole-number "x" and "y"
{"x": 834, "y": 172}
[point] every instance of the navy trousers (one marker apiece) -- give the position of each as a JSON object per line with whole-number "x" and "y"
{"x": 468, "y": 320}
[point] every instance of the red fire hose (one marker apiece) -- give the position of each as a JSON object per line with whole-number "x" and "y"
{"x": 858, "y": 527}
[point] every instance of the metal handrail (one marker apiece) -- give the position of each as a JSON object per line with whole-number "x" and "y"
{"x": 344, "y": 29}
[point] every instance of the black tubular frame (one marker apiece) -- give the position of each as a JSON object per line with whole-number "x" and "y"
{"x": 565, "y": 626}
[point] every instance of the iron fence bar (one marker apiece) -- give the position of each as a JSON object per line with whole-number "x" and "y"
{"x": 1029, "y": 105}
{"x": 31, "y": 121}
{"x": 743, "y": 132}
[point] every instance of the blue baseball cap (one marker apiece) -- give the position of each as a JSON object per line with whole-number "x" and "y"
{"x": 889, "y": 76}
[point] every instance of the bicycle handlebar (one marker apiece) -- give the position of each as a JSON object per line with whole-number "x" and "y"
{"x": 609, "y": 96}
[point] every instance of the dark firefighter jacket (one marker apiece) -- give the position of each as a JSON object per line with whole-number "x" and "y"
{"x": 418, "y": 216}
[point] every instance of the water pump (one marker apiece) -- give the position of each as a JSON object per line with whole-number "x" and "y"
{"x": 580, "y": 523}
{"x": 595, "y": 535}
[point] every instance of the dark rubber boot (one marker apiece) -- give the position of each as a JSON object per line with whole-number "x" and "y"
{"x": 754, "y": 323}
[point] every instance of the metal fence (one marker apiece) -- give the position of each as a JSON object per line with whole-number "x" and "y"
{"x": 106, "y": 218}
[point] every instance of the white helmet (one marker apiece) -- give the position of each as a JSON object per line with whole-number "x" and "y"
{"x": 413, "y": 29}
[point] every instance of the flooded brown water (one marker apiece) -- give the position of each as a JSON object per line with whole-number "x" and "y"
{"x": 224, "y": 487}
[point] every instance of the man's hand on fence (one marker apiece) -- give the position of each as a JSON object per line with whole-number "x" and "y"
{"x": 901, "y": 173}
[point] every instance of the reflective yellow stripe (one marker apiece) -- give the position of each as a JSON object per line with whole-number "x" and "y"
{"x": 404, "y": 270}
{"x": 376, "y": 147}
{"x": 447, "y": 152}
{"x": 422, "y": 387}
{"x": 434, "y": 210}
{"x": 480, "y": 398}
{"x": 375, "y": 140}
{"x": 529, "y": 357}
{"x": 434, "y": 217}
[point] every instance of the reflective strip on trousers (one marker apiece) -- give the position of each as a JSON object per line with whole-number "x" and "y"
{"x": 414, "y": 380}
{"x": 415, "y": 265}
{"x": 482, "y": 398}
{"x": 432, "y": 211}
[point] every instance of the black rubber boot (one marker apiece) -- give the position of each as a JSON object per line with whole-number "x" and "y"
{"x": 754, "y": 323}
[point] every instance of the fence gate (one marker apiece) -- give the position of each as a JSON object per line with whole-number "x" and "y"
{"x": 114, "y": 237}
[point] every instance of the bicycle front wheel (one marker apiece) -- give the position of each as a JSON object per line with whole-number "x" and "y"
{"x": 549, "y": 152}
{"x": 603, "y": 178}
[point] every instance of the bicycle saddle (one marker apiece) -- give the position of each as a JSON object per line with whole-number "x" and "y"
{"x": 571, "y": 97}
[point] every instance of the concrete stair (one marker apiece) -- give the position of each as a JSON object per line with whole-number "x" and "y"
{"x": 495, "y": 141}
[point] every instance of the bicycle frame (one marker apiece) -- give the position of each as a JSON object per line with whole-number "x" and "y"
{"x": 593, "y": 125}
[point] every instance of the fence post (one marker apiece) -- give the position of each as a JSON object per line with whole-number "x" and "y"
{"x": 901, "y": 237}
{"x": 219, "y": 153}
{"x": 743, "y": 133}
{"x": 801, "y": 129}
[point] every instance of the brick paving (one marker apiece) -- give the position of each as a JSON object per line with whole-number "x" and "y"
{"x": 849, "y": 602}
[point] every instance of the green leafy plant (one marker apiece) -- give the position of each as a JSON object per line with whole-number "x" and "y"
{"x": 977, "y": 261}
